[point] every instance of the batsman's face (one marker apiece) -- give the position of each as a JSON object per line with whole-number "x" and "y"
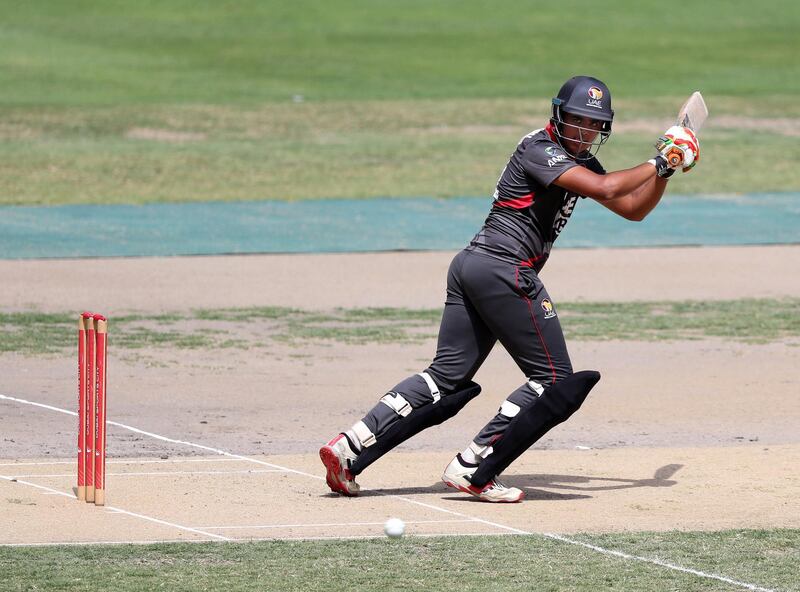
{"x": 579, "y": 132}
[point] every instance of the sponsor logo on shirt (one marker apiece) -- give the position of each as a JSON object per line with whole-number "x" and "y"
{"x": 555, "y": 155}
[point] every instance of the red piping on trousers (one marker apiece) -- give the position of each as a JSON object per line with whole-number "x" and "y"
{"x": 535, "y": 324}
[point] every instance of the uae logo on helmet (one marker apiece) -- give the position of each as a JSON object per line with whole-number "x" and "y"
{"x": 595, "y": 98}
{"x": 595, "y": 93}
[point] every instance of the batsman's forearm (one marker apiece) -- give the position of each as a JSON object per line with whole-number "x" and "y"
{"x": 621, "y": 183}
{"x": 645, "y": 198}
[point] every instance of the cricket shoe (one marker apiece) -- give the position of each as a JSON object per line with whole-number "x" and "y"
{"x": 337, "y": 455}
{"x": 457, "y": 475}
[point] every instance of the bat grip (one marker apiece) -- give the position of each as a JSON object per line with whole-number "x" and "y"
{"x": 674, "y": 157}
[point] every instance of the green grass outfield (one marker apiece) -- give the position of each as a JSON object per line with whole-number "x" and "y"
{"x": 205, "y": 52}
{"x": 750, "y": 320}
{"x": 766, "y": 559}
{"x": 118, "y": 102}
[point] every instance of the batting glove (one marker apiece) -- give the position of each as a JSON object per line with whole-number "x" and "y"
{"x": 680, "y": 147}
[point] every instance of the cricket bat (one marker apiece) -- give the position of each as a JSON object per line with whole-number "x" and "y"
{"x": 693, "y": 115}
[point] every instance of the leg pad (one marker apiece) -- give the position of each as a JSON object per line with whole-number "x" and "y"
{"x": 424, "y": 417}
{"x": 555, "y": 405}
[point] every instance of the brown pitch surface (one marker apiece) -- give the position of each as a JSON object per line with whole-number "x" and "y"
{"x": 677, "y": 435}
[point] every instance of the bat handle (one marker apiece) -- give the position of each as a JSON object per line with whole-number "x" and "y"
{"x": 674, "y": 157}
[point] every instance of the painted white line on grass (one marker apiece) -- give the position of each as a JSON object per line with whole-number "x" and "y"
{"x": 118, "y": 510}
{"x": 158, "y": 473}
{"x": 511, "y": 529}
{"x": 659, "y": 562}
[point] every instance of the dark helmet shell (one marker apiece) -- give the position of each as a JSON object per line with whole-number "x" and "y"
{"x": 585, "y": 96}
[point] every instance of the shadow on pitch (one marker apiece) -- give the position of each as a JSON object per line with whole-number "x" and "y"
{"x": 661, "y": 478}
{"x": 540, "y": 487}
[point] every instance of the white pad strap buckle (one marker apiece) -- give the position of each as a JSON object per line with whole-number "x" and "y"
{"x": 537, "y": 388}
{"x": 365, "y": 437}
{"x": 480, "y": 451}
{"x": 431, "y": 385}
{"x": 509, "y": 409}
{"x": 398, "y": 403}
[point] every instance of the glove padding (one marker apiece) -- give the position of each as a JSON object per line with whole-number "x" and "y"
{"x": 680, "y": 147}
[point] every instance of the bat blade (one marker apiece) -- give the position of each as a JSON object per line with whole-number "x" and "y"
{"x": 694, "y": 112}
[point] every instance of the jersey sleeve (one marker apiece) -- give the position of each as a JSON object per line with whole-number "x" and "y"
{"x": 546, "y": 161}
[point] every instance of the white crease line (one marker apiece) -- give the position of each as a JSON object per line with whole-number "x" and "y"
{"x": 163, "y": 438}
{"x": 134, "y": 461}
{"x": 34, "y": 464}
{"x": 141, "y": 474}
{"x": 42, "y": 487}
{"x": 328, "y": 524}
{"x": 424, "y": 505}
{"x": 248, "y": 540}
{"x": 85, "y": 543}
{"x": 124, "y": 462}
{"x": 119, "y": 510}
{"x": 165, "y": 523}
{"x": 378, "y": 536}
{"x": 42, "y": 405}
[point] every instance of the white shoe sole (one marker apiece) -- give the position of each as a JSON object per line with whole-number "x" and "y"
{"x": 454, "y": 485}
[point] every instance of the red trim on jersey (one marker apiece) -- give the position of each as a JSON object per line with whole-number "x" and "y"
{"x": 550, "y": 132}
{"x": 531, "y": 261}
{"x": 519, "y": 203}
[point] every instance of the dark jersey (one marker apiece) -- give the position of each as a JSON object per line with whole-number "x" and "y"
{"x": 528, "y": 211}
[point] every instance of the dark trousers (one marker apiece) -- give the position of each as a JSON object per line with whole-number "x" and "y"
{"x": 488, "y": 300}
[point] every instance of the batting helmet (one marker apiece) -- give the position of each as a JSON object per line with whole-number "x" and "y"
{"x": 587, "y": 97}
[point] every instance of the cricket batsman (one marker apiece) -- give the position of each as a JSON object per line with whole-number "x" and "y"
{"x": 495, "y": 294}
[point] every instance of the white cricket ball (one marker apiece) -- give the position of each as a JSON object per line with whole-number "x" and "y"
{"x": 394, "y": 528}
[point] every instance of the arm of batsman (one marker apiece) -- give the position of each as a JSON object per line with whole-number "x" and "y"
{"x": 680, "y": 146}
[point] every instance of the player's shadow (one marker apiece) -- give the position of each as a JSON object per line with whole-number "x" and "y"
{"x": 534, "y": 484}
{"x": 541, "y": 486}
